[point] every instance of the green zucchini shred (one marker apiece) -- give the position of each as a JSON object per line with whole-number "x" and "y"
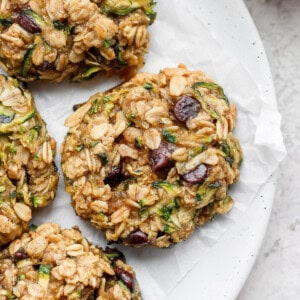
{"x": 44, "y": 270}
{"x": 167, "y": 186}
{"x": 76, "y": 295}
{"x": 32, "y": 227}
{"x": 87, "y": 74}
{"x": 37, "y": 157}
{"x": 120, "y": 56}
{"x": 94, "y": 144}
{"x": 21, "y": 277}
{"x": 215, "y": 115}
{"x": 103, "y": 158}
{"x": 12, "y": 149}
{"x": 138, "y": 142}
{"x": 122, "y": 9}
{"x": 112, "y": 256}
{"x": 6, "y": 22}
{"x": 169, "y": 137}
{"x": 227, "y": 151}
{"x": 148, "y": 86}
{"x": 130, "y": 117}
{"x": 123, "y": 286}
{"x": 114, "y": 7}
{"x": 79, "y": 148}
{"x": 212, "y": 86}
{"x": 167, "y": 210}
{"x": 37, "y": 201}
{"x": 34, "y": 133}
{"x": 143, "y": 212}
{"x": 27, "y": 62}
{"x": 198, "y": 150}
{"x": 27, "y": 117}
{"x": 206, "y": 191}
{"x": 177, "y": 202}
{"x": 169, "y": 228}
{"x": 105, "y": 99}
{"x": 11, "y": 296}
{"x": 149, "y": 10}
{"x": 106, "y": 44}
{"x": 108, "y": 107}
{"x": 61, "y": 26}
{"x": 95, "y": 107}
{"x": 35, "y": 17}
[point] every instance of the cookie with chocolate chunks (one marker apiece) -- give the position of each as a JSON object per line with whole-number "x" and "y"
{"x": 149, "y": 160}
{"x": 73, "y": 39}
{"x": 28, "y": 175}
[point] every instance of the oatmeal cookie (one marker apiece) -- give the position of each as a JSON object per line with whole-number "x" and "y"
{"x": 59, "y": 39}
{"x": 50, "y": 263}
{"x": 28, "y": 176}
{"x": 147, "y": 161}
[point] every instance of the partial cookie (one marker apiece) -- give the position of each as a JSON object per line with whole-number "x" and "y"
{"x": 51, "y": 263}
{"x": 28, "y": 176}
{"x": 76, "y": 39}
{"x": 147, "y": 161}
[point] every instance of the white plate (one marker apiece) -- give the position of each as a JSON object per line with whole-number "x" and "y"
{"x": 222, "y": 267}
{"x": 222, "y": 271}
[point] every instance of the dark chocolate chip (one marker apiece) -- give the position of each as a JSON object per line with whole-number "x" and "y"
{"x": 20, "y": 254}
{"x": 186, "y": 108}
{"x": 46, "y": 66}
{"x": 27, "y": 23}
{"x": 160, "y": 158}
{"x": 114, "y": 171}
{"x": 196, "y": 176}
{"x": 137, "y": 237}
{"x": 125, "y": 277}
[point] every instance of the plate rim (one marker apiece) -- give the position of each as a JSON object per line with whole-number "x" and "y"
{"x": 243, "y": 262}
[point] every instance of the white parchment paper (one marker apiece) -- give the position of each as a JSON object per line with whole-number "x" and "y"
{"x": 178, "y": 36}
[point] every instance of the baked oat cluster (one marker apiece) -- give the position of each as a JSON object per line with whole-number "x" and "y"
{"x": 51, "y": 263}
{"x": 28, "y": 176}
{"x": 152, "y": 158}
{"x": 59, "y": 39}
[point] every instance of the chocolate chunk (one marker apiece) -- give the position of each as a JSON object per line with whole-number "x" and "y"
{"x": 27, "y": 23}
{"x": 160, "y": 158}
{"x": 125, "y": 277}
{"x": 186, "y": 108}
{"x": 20, "y": 254}
{"x": 196, "y": 176}
{"x": 137, "y": 237}
{"x": 46, "y": 66}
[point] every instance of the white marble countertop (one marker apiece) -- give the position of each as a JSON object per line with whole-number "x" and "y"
{"x": 276, "y": 274}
